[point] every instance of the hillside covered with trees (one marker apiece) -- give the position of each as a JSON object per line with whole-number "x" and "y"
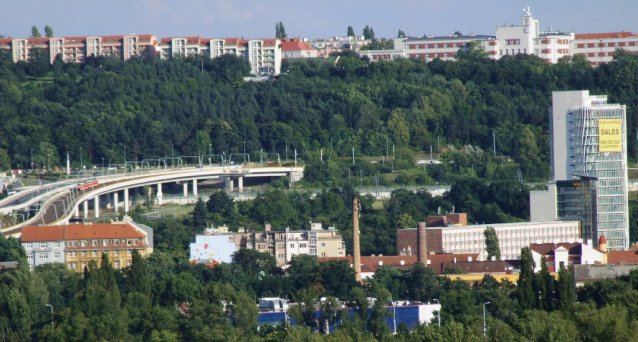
{"x": 155, "y": 107}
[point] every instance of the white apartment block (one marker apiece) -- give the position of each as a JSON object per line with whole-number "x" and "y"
{"x": 77, "y": 49}
{"x": 262, "y": 55}
{"x": 600, "y": 48}
{"x": 511, "y": 237}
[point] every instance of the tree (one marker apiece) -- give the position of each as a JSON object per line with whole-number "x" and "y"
{"x": 350, "y": 31}
{"x": 253, "y": 262}
{"x": 35, "y": 33}
{"x": 39, "y": 63}
{"x": 220, "y": 203}
{"x": 542, "y": 279}
{"x": 565, "y": 288}
{"x": 491, "y": 244}
{"x": 5, "y": 161}
{"x": 138, "y": 276}
{"x": 198, "y": 215}
{"x": 401, "y": 34}
{"x": 525, "y": 281}
{"x": 280, "y": 31}
{"x": 48, "y": 31}
{"x": 368, "y": 32}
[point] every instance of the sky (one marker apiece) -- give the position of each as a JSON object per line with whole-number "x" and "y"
{"x": 308, "y": 19}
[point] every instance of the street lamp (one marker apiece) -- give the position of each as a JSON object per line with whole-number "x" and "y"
{"x": 439, "y": 315}
{"x": 31, "y": 159}
{"x": 394, "y": 314}
{"x": 484, "y": 319}
{"x": 51, "y": 306}
{"x": 210, "y": 155}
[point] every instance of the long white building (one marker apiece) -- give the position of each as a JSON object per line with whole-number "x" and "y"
{"x": 526, "y": 38}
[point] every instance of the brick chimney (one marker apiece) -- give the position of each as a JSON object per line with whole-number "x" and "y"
{"x": 422, "y": 250}
{"x": 356, "y": 259}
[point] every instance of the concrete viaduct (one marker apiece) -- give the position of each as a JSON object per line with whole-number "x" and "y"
{"x": 57, "y": 203}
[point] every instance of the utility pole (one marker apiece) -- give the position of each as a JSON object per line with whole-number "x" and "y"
{"x": 484, "y": 330}
{"x": 438, "y": 140}
{"x": 353, "y": 156}
{"x": 31, "y": 159}
{"x": 494, "y": 139}
{"x": 295, "y": 157}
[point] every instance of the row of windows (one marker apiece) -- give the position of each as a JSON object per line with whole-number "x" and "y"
{"x": 56, "y": 244}
{"x": 104, "y": 243}
{"x": 94, "y": 253}
{"x": 74, "y": 265}
{"x": 608, "y": 44}
{"x": 436, "y": 46}
{"x": 433, "y": 55}
{"x": 43, "y": 256}
{"x": 512, "y": 42}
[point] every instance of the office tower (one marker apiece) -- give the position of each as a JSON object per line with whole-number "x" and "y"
{"x": 589, "y": 164}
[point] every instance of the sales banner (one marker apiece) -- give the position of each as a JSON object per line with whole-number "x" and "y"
{"x": 609, "y": 131}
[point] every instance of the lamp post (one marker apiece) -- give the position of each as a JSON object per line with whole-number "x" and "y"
{"x": 394, "y": 314}
{"x": 32, "y": 160}
{"x": 124, "y": 158}
{"x": 439, "y": 315}
{"x": 51, "y": 306}
{"x": 484, "y": 330}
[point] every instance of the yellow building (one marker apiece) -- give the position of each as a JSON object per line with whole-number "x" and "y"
{"x": 83, "y": 243}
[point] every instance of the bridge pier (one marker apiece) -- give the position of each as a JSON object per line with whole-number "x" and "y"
{"x": 195, "y": 187}
{"x": 159, "y": 193}
{"x": 185, "y": 189}
{"x": 77, "y": 210}
{"x": 86, "y": 209}
{"x": 231, "y": 184}
{"x": 96, "y": 206}
{"x": 126, "y": 200}
{"x": 240, "y": 184}
{"x": 115, "y": 202}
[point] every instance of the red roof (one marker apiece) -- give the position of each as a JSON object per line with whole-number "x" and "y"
{"x": 42, "y": 233}
{"x": 294, "y": 46}
{"x": 80, "y": 232}
{"x": 630, "y": 257}
{"x": 622, "y": 34}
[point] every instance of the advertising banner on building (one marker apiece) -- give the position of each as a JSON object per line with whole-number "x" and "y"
{"x": 609, "y": 131}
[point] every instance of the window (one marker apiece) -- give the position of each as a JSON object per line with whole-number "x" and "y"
{"x": 42, "y": 244}
{"x": 29, "y": 256}
{"x": 94, "y": 243}
{"x": 323, "y": 255}
{"x": 292, "y": 245}
{"x": 94, "y": 253}
{"x": 282, "y": 245}
{"x": 105, "y": 243}
{"x": 323, "y": 244}
{"x": 129, "y": 264}
{"x": 56, "y": 255}
{"x": 128, "y": 242}
{"x": 313, "y": 241}
{"x": 129, "y": 253}
{"x": 281, "y": 256}
{"x": 28, "y": 245}
{"x": 69, "y": 266}
{"x": 75, "y": 243}
{"x": 135, "y": 242}
{"x": 83, "y": 244}
{"x": 56, "y": 244}
{"x": 117, "y": 264}
{"x": 75, "y": 265}
{"x": 302, "y": 245}
{"x": 117, "y": 243}
{"x": 313, "y": 251}
{"x": 116, "y": 253}
{"x": 75, "y": 254}
{"x": 70, "y": 254}
{"x": 83, "y": 254}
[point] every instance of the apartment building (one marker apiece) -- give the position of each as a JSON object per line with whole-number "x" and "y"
{"x": 76, "y": 245}
{"x": 43, "y": 245}
{"x": 218, "y": 244}
{"x": 600, "y": 48}
{"x": 263, "y": 55}
{"x": 295, "y": 48}
{"x": 325, "y": 47}
{"x": 512, "y": 237}
{"x": 77, "y": 49}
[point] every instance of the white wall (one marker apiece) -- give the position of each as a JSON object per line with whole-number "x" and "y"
{"x": 542, "y": 204}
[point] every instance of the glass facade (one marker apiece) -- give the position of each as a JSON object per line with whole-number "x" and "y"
{"x": 606, "y": 171}
{"x": 576, "y": 201}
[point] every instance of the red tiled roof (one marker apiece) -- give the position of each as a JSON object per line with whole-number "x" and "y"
{"x": 210, "y": 264}
{"x": 548, "y": 248}
{"x": 294, "y": 46}
{"x": 42, "y": 233}
{"x": 101, "y": 231}
{"x": 622, "y": 34}
{"x": 614, "y": 257}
